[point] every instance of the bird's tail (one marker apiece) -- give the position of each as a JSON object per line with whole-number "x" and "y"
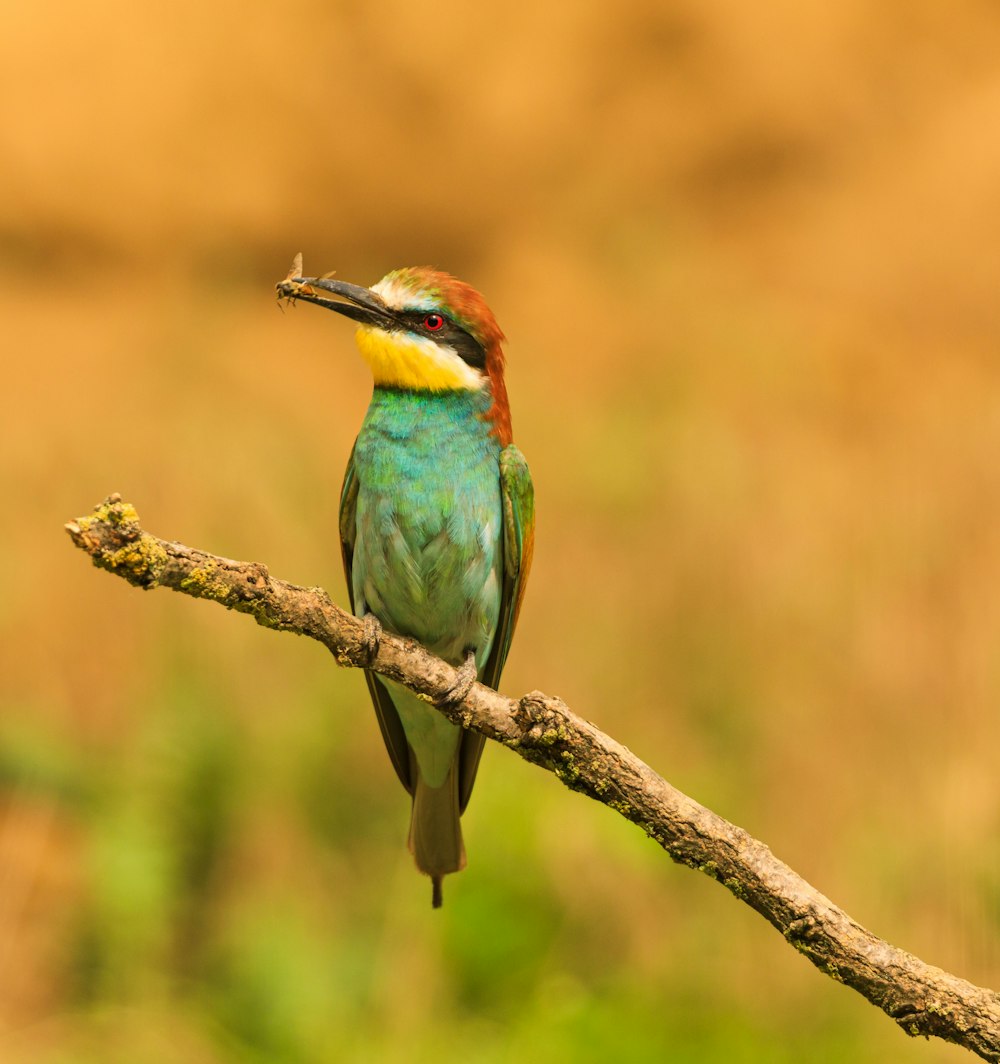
{"x": 435, "y": 831}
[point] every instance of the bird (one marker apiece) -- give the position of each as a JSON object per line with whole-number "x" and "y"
{"x": 437, "y": 521}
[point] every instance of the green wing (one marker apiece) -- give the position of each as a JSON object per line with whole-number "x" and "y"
{"x": 518, "y": 500}
{"x": 388, "y": 719}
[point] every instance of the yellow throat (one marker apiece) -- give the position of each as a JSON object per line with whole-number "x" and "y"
{"x": 416, "y": 363}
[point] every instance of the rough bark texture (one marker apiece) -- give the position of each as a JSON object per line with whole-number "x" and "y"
{"x": 922, "y": 999}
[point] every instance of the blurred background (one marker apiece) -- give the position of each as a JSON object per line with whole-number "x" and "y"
{"x": 746, "y": 258}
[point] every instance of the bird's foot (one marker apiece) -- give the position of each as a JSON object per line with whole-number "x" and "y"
{"x": 465, "y": 676}
{"x": 371, "y": 636}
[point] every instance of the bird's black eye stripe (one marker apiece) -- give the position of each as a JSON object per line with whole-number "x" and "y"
{"x": 469, "y": 349}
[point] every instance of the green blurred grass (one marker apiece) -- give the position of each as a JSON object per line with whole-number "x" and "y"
{"x": 234, "y": 910}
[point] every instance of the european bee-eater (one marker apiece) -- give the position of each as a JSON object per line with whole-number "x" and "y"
{"x": 436, "y": 521}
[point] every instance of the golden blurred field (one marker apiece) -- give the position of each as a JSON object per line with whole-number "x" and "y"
{"x": 746, "y": 258}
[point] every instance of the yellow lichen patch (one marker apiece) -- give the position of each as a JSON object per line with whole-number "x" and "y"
{"x": 143, "y": 559}
{"x": 111, "y": 512}
{"x": 113, "y": 538}
{"x": 551, "y": 736}
{"x": 203, "y": 581}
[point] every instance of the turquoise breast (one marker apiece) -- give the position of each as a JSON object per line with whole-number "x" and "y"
{"x": 427, "y": 559}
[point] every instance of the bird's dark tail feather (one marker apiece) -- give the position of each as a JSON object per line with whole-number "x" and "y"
{"x": 435, "y": 832}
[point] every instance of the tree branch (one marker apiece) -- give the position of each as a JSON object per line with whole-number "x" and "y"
{"x": 922, "y": 999}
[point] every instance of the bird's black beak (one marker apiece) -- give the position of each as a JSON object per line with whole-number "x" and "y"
{"x": 361, "y": 304}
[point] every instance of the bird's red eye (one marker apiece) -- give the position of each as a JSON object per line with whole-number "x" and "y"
{"x": 433, "y": 322}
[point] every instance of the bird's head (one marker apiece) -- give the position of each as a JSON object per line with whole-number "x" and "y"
{"x": 421, "y": 330}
